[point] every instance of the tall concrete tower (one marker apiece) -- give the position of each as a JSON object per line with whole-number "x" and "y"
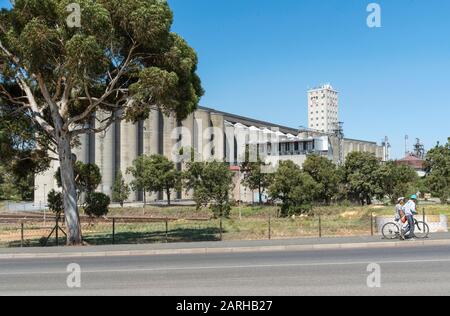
{"x": 323, "y": 108}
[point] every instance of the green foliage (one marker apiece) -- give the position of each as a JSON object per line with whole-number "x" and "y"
{"x": 294, "y": 188}
{"x": 395, "y": 181}
{"x": 122, "y": 61}
{"x": 155, "y": 173}
{"x": 359, "y": 176}
{"x": 55, "y": 202}
{"x": 326, "y": 175}
{"x": 8, "y": 191}
{"x": 19, "y": 139}
{"x": 97, "y": 204}
{"x": 437, "y": 166}
{"x": 87, "y": 177}
{"x": 141, "y": 180}
{"x": 255, "y": 177}
{"x": 160, "y": 66}
{"x": 212, "y": 183}
{"x": 121, "y": 191}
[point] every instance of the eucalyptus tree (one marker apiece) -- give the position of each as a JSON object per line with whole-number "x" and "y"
{"x": 78, "y": 66}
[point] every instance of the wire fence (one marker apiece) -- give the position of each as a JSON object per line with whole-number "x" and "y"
{"x": 33, "y": 231}
{"x": 30, "y": 230}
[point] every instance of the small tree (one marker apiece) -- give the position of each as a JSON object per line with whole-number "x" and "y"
{"x": 8, "y": 190}
{"x": 437, "y": 165}
{"x": 294, "y": 188}
{"x": 325, "y": 173}
{"x": 395, "y": 180}
{"x": 24, "y": 152}
{"x": 255, "y": 178}
{"x": 359, "y": 176}
{"x": 87, "y": 177}
{"x": 121, "y": 190}
{"x": 55, "y": 202}
{"x": 212, "y": 183}
{"x": 97, "y": 204}
{"x": 157, "y": 173}
{"x": 141, "y": 180}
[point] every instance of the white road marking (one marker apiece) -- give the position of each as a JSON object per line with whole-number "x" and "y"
{"x": 314, "y": 264}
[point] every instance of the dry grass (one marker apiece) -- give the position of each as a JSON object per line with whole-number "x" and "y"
{"x": 245, "y": 223}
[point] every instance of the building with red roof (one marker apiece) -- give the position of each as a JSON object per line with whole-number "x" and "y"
{"x": 414, "y": 162}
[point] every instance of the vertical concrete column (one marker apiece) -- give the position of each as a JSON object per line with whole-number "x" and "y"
{"x": 45, "y": 182}
{"x": 169, "y": 136}
{"x": 82, "y": 151}
{"x": 169, "y": 140}
{"x": 151, "y": 133}
{"x": 188, "y": 145}
{"x": 203, "y": 134}
{"x": 151, "y": 142}
{"x": 128, "y": 152}
{"x": 105, "y": 153}
{"x": 218, "y": 136}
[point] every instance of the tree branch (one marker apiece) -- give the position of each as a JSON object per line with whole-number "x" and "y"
{"x": 108, "y": 91}
{"x": 35, "y": 112}
{"x": 113, "y": 117}
{"x": 64, "y": 103}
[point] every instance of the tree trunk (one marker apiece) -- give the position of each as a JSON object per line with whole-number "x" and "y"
{"x": 69, "y": 191}
{"x": 168, "y": 197}
{"x": 260, "y": 195}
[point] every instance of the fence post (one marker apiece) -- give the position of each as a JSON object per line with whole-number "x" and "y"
{"x": 371, "y": 224}
{"x": 114, "y": 230}
{"x": 423, "y": 212}
{"x": 320, "y": 226}
{"x": 221, "y": 237}
{"x": 21, "y": 234}
{"x": 167, "y": 231}
{"x": 57, "y": 229}
{"x": 270, "y": 228}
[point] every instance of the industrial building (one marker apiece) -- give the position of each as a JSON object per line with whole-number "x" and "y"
{"x": 211, "y": 135}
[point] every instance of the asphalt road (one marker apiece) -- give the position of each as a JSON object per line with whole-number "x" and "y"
{"x": 404, "y": 271}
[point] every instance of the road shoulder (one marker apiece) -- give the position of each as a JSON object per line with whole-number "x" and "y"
{"x": 204, "y": 248}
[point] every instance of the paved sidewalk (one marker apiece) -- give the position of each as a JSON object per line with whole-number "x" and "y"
{"x": 302, "y": 244}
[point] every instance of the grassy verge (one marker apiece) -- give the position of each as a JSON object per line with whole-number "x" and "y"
{"x": 245, "y": 223}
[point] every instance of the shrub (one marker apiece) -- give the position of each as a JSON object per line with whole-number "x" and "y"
{"x": 97, "y": 204}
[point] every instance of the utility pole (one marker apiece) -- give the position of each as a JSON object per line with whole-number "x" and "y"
{"x": 339, "y": 133}
{"x": 406, "y": 145}
{"x": 386, "y": 147}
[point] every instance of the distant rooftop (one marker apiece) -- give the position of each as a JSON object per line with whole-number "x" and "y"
{"x": 326, "y": 86}
{"x": 233, "y": 118}
{"x": 413, "y": 161}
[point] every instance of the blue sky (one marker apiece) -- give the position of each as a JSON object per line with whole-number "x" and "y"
{"x": 258, "y": 58}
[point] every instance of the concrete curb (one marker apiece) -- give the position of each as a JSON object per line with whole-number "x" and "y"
{"x": 225, "y": 250}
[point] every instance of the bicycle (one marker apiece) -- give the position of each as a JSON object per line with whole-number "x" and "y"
{"x": 392, "y": 230}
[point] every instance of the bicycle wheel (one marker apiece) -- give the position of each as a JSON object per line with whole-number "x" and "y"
{"x": 422, "y": 230}
{"x": 390, "y": 231}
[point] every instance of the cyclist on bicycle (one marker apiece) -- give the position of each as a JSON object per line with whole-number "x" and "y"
{"x": 410, "y": 211}
{"x": 399, "y": 209}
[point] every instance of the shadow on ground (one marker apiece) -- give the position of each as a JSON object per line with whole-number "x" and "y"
{"x": 123, "y": 238}
{"x": 173, "y": 236}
